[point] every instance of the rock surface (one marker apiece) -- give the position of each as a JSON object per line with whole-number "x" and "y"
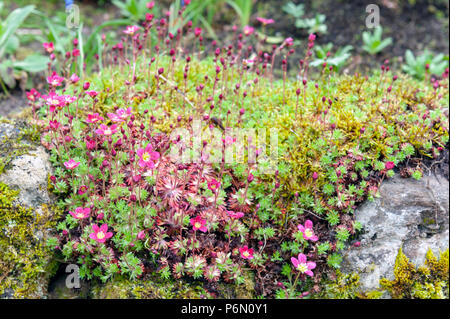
{"x": 29, "y": 173}
{"x": 410, "y": 214}
{"x": 26, "y": 217}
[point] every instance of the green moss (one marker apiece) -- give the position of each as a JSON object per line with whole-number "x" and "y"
{"x": 152, "y": 287}
{"x": 345, "y": 286}
{"x": 246, "y": 290}
{"x": 25, "y": 263}
{"x": 429, "y": 281}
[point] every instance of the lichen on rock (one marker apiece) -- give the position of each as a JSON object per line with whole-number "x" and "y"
{"x": 411, "y": 216}
{"x": 27, "y": 215}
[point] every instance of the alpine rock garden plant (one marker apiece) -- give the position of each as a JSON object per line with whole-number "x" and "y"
{"x": 159, "y": 169}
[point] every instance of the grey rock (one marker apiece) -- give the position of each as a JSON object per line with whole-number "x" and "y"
{"x": 410, "y": 214}
{"x": 27, "y": 171}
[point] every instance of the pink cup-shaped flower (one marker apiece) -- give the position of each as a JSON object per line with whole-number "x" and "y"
{"x": 147, "y": 157}
{"x": 71, "y": 164}
{"x": 198, "y": 223}
{"x": 265, "y": 21}
{"x": 246, "y": 253}
{"x": 105, "y": 130}
{"x": 307, "y": 231}
{"x": 80, "y": 213}
{"x": 302, "y": 265}
{"x": 100, "y": 234}
{"x": 94, "y": 118}
{"x": 55, "y": 80}
{"x": 213, "y": 185}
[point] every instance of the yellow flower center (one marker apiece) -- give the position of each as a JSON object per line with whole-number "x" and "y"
{"x": 146, "y": 157}
{"x": 80, "y": 215}
{"x": 100, "y": 235}
{"x": 245, "y": 254}
{"x": 198, "y": 225}
{"x": 107, "y": 132}
{"x": 308, "y": 233}
{"x": 302, "y": 268}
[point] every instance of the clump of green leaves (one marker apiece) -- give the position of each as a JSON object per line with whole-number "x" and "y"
{"x": 419, "y": 66}
{"x": 9, "y": 44}
{"x": 373, "y": 42}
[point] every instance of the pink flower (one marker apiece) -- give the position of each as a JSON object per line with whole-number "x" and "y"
{"x": 307, "y": 231}
{"x": 67, "y": 99}
{"x": 141, "y": 235}
{"x": 289, "y": 42}
{"x": 33, "y": 95}
{"x": 82, "y": 190}
{"x": 213, "y": 185}
{"x": 53, "y": 100}
{"x": 150, "y": 5}
{"x": 120, "y": 116}
{"x": 229, "y": 140}
{"x": 198, "y": 223}
{"x": 198, "y": 31}
{"x": 265, "y": 21}
{"x": 48, "y": 46}
{"x": 100, "y": 234}
{"x": 235, "y": 215}
{"x": 92, "y": 94}
{"x": 248, "y": 30}
{"x": 74, "y": 78}
{"x": 389, "y": 165}
{"x": 105, "y": 130}
{"x": 94, "y": 118}
{"x": 147, "y": 157}
{"x": 71, "y": 164}
{"x": 55, "y": 80}
{"x": 315, "y": 175}
{"x": 302, "y": 265}
{"x": 90, "y": 143}
{"x": 75, "y": 52}
{"x": 54, "y": 125}
{"x": 131, "y": 29}
{"x": 80, "y": 213}
{"x": 246, "y": 253}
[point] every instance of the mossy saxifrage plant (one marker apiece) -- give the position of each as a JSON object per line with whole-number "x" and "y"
{"x": 132, "y": 209}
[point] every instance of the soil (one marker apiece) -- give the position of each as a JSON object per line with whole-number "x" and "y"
{"x": 15, "y": 103}
{"x": 414, "y": 27}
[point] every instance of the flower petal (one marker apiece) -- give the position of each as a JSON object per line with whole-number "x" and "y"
{"x": 301, "y": 258}
{"x": 311, "y": 265}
